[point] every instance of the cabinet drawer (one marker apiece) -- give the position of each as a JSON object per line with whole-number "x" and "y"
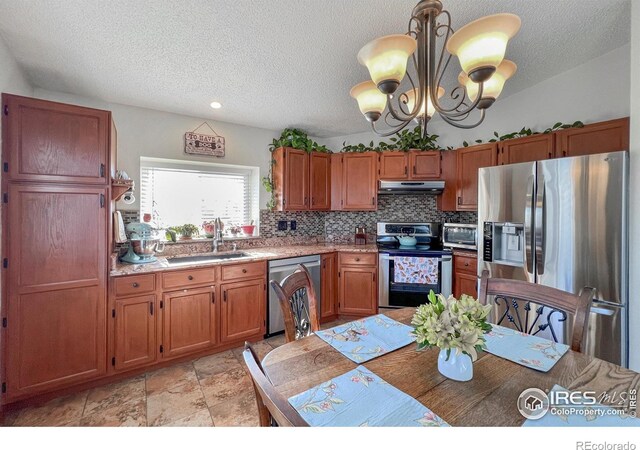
{"x": 465, "y": 264}
{"x": 358, "y": 259}
{"x": 138, "y": 284}
{"x": 239, "y": 271}
{"x": 186, "y": 278}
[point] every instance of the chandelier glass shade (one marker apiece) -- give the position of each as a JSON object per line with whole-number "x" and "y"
{"x": 429, "y": 45}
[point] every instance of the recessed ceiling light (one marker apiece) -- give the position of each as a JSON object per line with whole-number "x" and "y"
{"x": 216, "y": 105}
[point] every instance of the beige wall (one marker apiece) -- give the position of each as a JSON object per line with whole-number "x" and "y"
{"x": 634, "y": 193}
{"x": 147, "y": 132}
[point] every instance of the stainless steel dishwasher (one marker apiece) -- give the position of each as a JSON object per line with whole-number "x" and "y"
{"x": 279, "y": 269}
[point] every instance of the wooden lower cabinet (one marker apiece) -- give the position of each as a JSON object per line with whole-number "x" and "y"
{"x": 358, "y": 290}
{"x": 188, "y": 321}
{"x": 243, "y": 310}
{"x": 465, "y": 279}
{"x": 135, "y": 332}
{"x": 329, "y": 287}
{"x": 55, "y": 338}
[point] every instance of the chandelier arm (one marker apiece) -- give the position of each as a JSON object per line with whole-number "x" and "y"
{"x": 398, "y": 115}
{"x": 444, "y": 44}
{"x": 463, "y": 126}
{"x": 389, "y": 133}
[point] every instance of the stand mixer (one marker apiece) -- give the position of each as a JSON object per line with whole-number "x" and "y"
{"x": 143, "y": 244}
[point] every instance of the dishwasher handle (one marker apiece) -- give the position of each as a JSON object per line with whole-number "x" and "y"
{"x": 293, "y": 267}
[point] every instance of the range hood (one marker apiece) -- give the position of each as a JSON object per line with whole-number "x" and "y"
{"x": 410, "y": 187}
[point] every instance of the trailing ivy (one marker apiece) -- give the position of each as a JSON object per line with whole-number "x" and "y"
{"x": 298, "y": 139}
{"x": 403, "y": 141}
{"x": 526, "y": 132}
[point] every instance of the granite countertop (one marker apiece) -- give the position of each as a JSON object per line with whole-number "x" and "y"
{"x": 119, "y": 269}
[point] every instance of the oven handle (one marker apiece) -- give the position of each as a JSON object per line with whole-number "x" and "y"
{"x": 443, "y": 258}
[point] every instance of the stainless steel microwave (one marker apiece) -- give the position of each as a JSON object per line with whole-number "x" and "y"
{"x": 460, "y": 235}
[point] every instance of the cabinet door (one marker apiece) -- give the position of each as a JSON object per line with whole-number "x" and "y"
{"x": 359, "y": 181}
{"x": 188, "y": 321}
{"x": 425, "y": 165}
{"x": 394, "y": 166}
{"x": 48, "y": 141}
{"x": 328, "y": 294}
{"x": 465, "y": 284}
{"x": 358, "y": 291}
{"x": 528, "y": 149}
{"x": 320, "y": 181}
{"x": 135, "y": 336}
{"x": 603, "y": 137}
{"x": 296, "y": 180}
{"x": 470, "y": 159}
{"x": 244, "y": 310}
{"x": 449, "y": 165}
{"x": 336, "y": 181}
{"x": 56, "y": 287}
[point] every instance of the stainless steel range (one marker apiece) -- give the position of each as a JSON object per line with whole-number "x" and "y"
{"x": 421, "y": 240}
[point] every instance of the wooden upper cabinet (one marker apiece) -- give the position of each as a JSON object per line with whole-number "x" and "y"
{"x": 359, "y": 181}
{"x": 393, "y": 166}
{"x": 532, "y": 148}
{"x": 135, "y": 332}
{"x": 55, "y": 142}
{"x": 290, "y": 173}
{"x": 425, "y": 165}
{"x": 602, "y": 137}
{"x": 320, "y": 181}
{"x": 447, "y": 201}
{"x": 243, "y": 309}
{"x": 336, "y": 181}
{"x": 470, "y": 159}
{"x": 189, "y": 321}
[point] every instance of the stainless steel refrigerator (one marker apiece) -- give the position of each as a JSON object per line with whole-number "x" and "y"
{"x": 563, "y": 223}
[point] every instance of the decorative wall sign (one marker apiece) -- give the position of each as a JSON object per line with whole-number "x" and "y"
{"x": 204, "y": 144}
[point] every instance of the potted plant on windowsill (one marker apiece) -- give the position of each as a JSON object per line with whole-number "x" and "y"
{"x": 186, "y": 231}
{"x": 457, "y": 328}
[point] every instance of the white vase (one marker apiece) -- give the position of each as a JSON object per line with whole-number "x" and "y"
{"x": 458, "y": 367}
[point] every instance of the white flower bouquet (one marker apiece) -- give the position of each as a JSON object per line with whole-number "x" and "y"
{"x": 452, "y": 324}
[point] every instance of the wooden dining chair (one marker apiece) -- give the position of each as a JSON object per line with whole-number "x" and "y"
{"x": 272, "y": 406}
{"x": 514, "y": 296}
{"x": 298, "y": 320}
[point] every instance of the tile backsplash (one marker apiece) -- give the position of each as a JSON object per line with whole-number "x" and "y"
{"x": 340, "y": 225}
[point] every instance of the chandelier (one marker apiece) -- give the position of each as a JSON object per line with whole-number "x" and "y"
{"x": 480, "y": 47}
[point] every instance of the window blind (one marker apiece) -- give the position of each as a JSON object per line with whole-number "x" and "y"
{"x": 183, "y": 193}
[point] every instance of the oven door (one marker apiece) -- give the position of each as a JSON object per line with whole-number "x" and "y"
{"x": 402, "y": 295}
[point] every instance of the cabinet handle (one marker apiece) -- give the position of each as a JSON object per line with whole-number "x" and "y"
{"x": 190, "y": 277}
{"x": 101, "y": 170}
{"x": 466, "y": 264}
{"x": 357, "y": 259}
{"x": 244, "y": 270}
{"x": 405, "y": 170}
{"x": 313, "y": 201}
{"x": 213, "y": 297}
{"x": 151, "y": 308}
{"x": 225, "y": 296}
{"x": 459, "y": 200}
{"x": 415, "y": 170}
{"x": 135, "y": 285}
{"x": 373, "y": 200}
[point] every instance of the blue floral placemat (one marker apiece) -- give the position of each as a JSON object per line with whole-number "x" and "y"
{"x": 361, "y": 398}
{"x": 527, "y": 350}
{"x": 581, "y": 416}
{"x": 365, "y": 339}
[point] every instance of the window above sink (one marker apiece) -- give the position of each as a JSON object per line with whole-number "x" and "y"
{"x": 187, "y": 192}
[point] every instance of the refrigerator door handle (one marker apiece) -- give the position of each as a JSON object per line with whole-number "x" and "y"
{"x": 528, "y": 238}
{"x": 540, "y": 217}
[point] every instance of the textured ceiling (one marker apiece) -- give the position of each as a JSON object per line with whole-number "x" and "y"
{"x": 272, "y": 64}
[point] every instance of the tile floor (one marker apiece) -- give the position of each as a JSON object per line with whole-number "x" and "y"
{"x": 211, "y": 391}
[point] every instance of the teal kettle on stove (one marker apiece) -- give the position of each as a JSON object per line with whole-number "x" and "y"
{"x": 143, "y": 244}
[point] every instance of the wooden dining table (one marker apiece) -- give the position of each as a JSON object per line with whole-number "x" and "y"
{"x": 489, "y": 399}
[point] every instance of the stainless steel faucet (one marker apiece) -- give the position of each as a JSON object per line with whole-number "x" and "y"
{"x": 217, "y": 234}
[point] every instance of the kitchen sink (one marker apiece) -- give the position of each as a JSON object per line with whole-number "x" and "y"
{"x": 205, "y": 258}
